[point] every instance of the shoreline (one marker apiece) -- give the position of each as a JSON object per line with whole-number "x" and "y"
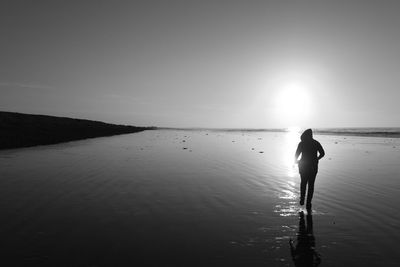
{"x": 385, "y": 132}
{"x": 18, "y": 130}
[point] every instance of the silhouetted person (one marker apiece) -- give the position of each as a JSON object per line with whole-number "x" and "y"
{"x": 311, "y": 152}
{"x": 304, "y": 253}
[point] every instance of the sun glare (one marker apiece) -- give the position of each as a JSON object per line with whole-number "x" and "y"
{"x": 291, "y": 140}
{"x": 293, "y": 104}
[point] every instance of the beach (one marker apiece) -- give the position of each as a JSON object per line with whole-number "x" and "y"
{"x": 197, "y": 198}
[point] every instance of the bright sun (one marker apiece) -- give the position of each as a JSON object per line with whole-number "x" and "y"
{"x": 293, "y": 104}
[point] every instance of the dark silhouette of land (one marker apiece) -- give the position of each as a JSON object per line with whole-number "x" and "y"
{"x": 24, "y": 130}
{"x": 304, "y": 253}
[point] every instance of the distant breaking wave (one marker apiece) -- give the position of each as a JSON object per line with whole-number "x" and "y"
{"x": 393, "y": 132}
{"x": 389, "y": 132}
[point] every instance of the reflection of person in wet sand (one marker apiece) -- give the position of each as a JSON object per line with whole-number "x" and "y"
{"x": 304, "y": 253}
{"x": 311, "y": 152}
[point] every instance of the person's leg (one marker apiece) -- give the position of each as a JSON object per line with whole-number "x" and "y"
{"x": 303, "y": 185}
{"x": 310, "y": 191}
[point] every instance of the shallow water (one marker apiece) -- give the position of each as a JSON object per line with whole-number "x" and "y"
{"x": 197, "y": 198}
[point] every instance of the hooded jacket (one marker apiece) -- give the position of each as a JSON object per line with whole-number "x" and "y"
{"x": 311, "y": 151}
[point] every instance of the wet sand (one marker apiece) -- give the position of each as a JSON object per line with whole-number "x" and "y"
{"x": 197, "y": 198}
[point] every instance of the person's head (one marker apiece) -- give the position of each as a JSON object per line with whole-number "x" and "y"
{"x": 307, "y": 135}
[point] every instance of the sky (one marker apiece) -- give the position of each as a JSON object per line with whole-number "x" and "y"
{"x": 219, "y": 64}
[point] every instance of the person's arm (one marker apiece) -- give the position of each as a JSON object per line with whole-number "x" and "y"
{"x": 321, "y": 151}
{"x": 297, "y": 154}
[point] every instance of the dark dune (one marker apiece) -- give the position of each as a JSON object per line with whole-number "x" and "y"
{"x": 23, "y": 130}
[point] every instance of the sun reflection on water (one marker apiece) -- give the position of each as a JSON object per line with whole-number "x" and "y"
{"x": 291, "y": 141}
{"x": 288, "y": 204}
{"x": 288, "y": 194}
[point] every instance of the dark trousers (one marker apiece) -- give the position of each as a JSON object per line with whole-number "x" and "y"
{"x": 307, "y": 178}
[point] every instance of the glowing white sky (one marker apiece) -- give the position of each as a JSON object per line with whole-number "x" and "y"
{"x": 203, "y": 63}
